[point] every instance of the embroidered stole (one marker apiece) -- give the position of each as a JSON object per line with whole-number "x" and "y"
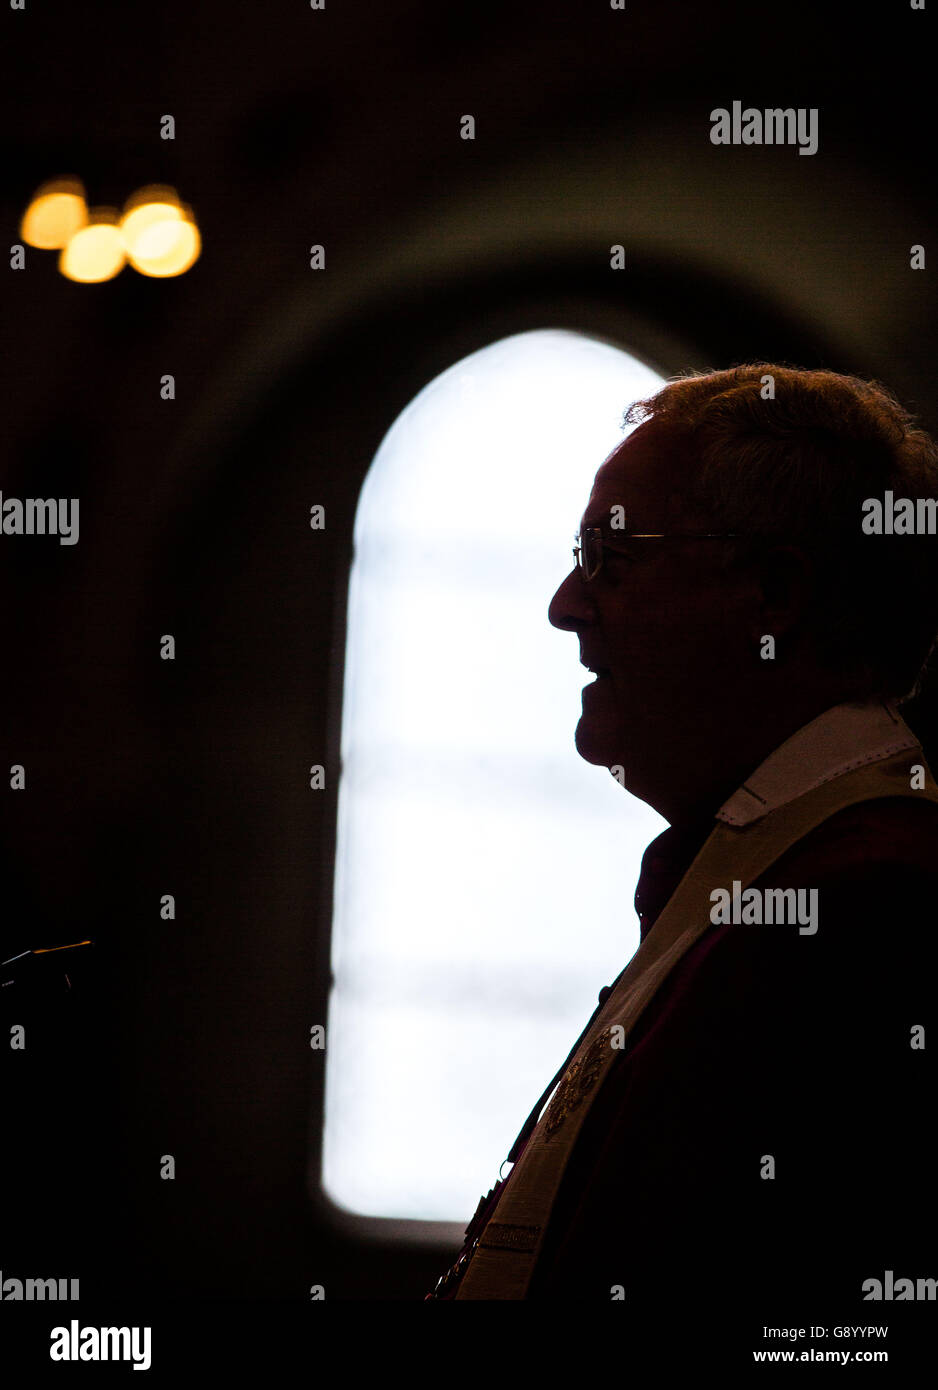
{"x": 508, "y": 1246}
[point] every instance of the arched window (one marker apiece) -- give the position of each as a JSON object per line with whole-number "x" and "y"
{"x": 484, "y": 872}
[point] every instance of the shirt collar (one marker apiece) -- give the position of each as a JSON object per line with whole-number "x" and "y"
{"x": 844, "y": 737}
{"x": 664, "y": 864}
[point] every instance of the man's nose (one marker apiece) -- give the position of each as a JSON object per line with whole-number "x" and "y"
{"x": 570, "y": 609}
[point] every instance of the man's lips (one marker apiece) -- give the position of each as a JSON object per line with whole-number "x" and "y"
{"x": 596, "y": 668}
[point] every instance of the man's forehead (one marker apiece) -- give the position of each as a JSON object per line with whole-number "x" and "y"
{"x": 641, "y": 475}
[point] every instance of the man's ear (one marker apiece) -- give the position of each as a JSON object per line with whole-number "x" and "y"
{"x": 785, "y": 578}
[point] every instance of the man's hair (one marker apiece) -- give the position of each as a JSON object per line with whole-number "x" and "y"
{"x": 797, "y": 465}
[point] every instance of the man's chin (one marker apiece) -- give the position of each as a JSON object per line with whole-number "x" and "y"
{"x": 595, "y": 745}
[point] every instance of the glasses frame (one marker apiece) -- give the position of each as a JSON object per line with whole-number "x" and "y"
{"x": 595, "y": 535}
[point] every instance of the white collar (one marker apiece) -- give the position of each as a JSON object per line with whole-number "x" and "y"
{"x": 842, "y": 738}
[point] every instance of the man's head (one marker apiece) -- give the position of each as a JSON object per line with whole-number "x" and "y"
{"x": 783, "y": 460}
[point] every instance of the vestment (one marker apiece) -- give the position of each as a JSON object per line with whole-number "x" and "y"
{"x": 763, "y": 1130}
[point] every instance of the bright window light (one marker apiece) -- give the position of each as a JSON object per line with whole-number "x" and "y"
{"x": 484, "y": 872}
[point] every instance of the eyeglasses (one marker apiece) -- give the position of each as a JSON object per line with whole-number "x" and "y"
{"x": 590, "y": 543}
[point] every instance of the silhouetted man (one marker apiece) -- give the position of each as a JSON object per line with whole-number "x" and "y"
{"x": 746, "y": 1119}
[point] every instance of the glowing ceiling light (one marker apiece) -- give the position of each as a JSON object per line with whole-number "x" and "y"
{"x": 170, "y": 248}
{"x": 180, "y": 251}
{"x": 96, "y": 251}
{"x": 148, "y": 208}
{"x": 56, "y": 212}
{"x": 160, "y": 233}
